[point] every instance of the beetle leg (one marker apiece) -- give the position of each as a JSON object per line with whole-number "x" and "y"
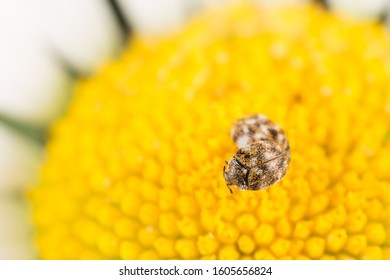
{"x": 231, "y": 192}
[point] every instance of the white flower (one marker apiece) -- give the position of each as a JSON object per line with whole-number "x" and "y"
{"x": 44, "y": 44}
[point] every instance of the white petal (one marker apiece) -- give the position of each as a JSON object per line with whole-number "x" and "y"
{"x": 151, "y": 16}
{"x": 281, "y": 2}
{"x": 32, "y": 84}
{"x": 207, "y": 3}
{"x": 19, "y": 161}
{"x": 361, "y": 8}
{"x": 261, "y": 2}
{"x": 16, "y": 238}
{"x": 387, "y": 18}
{"x": 84, "y": 32}
{"x": 33, "y": 87}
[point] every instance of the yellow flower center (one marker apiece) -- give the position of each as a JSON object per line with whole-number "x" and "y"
{"x": 134, "y": 168}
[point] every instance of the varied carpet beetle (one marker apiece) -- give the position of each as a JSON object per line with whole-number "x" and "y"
{"x": 263, "y": 156}
{"x": 255, "y": 128}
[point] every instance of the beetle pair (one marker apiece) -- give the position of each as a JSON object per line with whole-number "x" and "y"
{"x": 263, "y": 156}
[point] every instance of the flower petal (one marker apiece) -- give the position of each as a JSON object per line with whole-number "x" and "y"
{"x": 207, "y": 3}
{"x": 32, "y": 84}
{"x": 282, "y": 2}
{"x": 19, "y": 160}
{"x": 15, "y": 234}
{"x": 361, "y": 8}
{"x": 84, "y": 32}
{"x": 149, "y": 16}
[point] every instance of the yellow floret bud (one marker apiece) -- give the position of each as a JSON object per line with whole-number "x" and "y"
{"x": 374, "y": 210}
{"x": 187, "y": 206}
{"x": 71, "y": 247}
{"x": 129, "y": 250}
{"x": 263, "y": 254}
{"x": 303, "y": 229}
{"x": 149, "y": 255}
{"x": 246, "y": 244}
{"x": 315, "y": 247}
{"x": 227, "y": 233}
{"x": 228, "y": 252}
{"x": 280, "y": 247}
{"x": 328, "y": 257}
{"x": 188, "y": 227}
{"x": 126, "y": 228}
{"x": 167, "y": 199}
{"x": 297, "y": 212}
{"x": 207, "y": 244}
{"x": 168, "y": 224}
{"x": 247, "y": 223}
{"x": 209, "y": 257}
{"x": 376, "y": 233}
{"x": 356, "y": 244}
{"x": 264, "y": 234}
{"x": 339, "y": 216}
{"x": 386, "y": 253}
{"x": 356, "y": 221}
{"x": 336, "y": 240}
{"x": 108, "y": 244}
{"x": 165, "y": 247}
{"x": 107, "y": 215}
{"x": 344, "y": 257}
{"x": 130, "y": 204}
{"x": 187, "y": 248}
{"x": 318, "y": 204}
{"x": 91, "y": 255}
{"x": 149, "y": 191}
{"x": 372, "y": 253}
{"x": 296, "y": 247}
{"x": 283, "y": 228}
{"x": 148, "y": 214}
{"x": 147, "y": 235}
{"x": 322, "y": 224}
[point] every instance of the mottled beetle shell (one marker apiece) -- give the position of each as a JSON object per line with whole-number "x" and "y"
{"x": 263, "y": 156}
{"x": 255, "y": 128}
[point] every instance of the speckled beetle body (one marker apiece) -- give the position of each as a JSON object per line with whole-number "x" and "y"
{"x": 263, "y": 156}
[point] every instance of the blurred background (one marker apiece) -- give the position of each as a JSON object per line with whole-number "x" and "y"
{"x": 45, "y": 46}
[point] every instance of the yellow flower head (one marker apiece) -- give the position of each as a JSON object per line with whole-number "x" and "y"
{"x": 134, "y": 168}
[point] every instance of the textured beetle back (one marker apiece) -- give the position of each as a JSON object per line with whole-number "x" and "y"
{"x": 263, "y": 156}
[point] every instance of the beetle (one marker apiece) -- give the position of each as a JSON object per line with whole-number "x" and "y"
{"x": 263, "y": 156}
